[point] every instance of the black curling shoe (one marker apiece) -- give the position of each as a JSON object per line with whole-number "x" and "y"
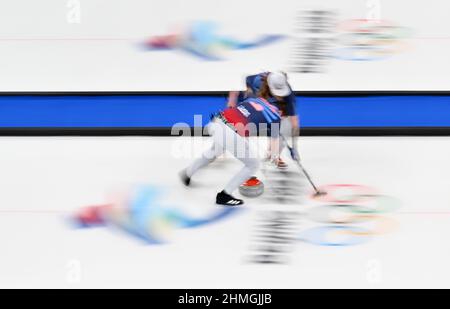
{"x": 227, "y": 200}
{"x": 185, "y": 179}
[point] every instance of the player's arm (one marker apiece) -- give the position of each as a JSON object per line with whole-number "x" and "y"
{"x": 233, "y": 98}
{"x": 294, "y": 119}
{"x": 295, "y": 125}
{"x": 275, "y": 147}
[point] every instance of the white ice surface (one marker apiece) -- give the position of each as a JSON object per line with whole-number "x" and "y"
{"x": 43, "y": 180}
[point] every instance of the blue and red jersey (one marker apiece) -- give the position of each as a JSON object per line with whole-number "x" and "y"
{"x": 252, "y": 115}
{"x": 253, "y": 82}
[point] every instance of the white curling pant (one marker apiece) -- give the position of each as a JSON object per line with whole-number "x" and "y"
{"x": 226, "y": 139}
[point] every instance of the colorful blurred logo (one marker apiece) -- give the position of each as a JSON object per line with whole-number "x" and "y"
{"x": 203, "y": 40}
{"x": 369, "y": 40}
{"x": 143, "y": 215}
{"x": 349, "y": 215}
{"x": 321, "y": 35}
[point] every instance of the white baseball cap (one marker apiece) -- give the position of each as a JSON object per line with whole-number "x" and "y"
{"x": 278, "y": 84}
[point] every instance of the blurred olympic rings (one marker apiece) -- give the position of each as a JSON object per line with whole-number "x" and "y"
{"x": 352, "y": 219}
{"x": 368, "y": 40}
{"x": 357, "y": 193}
{"x": 335, "y": 235}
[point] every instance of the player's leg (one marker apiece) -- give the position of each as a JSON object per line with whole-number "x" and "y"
{"x": 207, "y": 157}
{"x": 239, "y": 146}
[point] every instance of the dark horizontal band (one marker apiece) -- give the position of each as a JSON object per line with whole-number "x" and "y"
{"x": 322, "y": 93}
{"x": 165, "y": 131}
